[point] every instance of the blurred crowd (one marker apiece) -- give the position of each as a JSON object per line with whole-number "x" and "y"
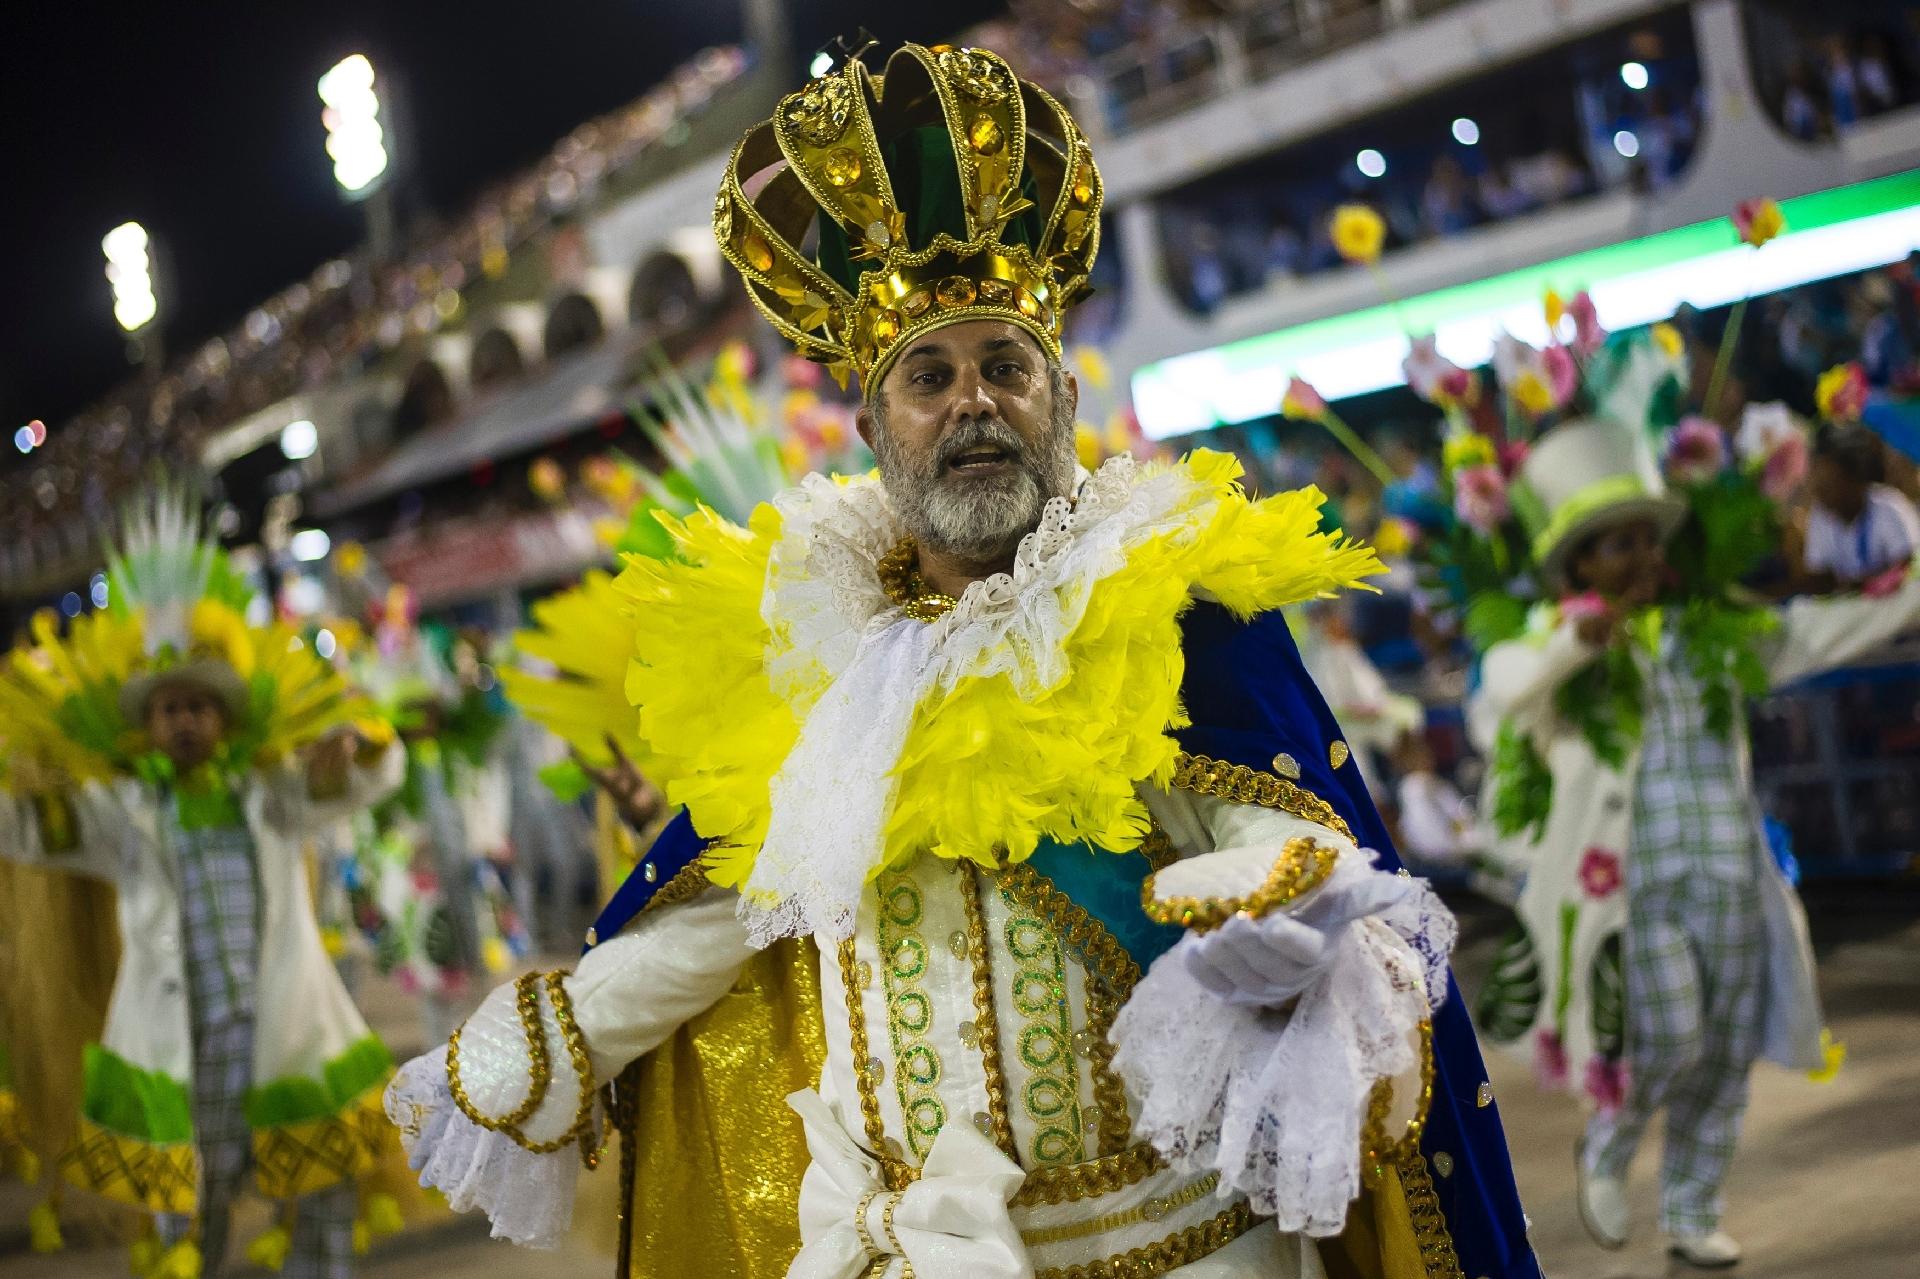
{"x": 1824, "y": 71}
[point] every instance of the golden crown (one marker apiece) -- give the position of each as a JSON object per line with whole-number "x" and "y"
{"x": 889, "y": 205}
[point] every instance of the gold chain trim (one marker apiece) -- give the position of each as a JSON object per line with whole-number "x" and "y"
{"x": 985, "y": 1020}
{"x": 1206, "y": 776}
{"x": 1182, "y": 1248}
{"x": 526, "y": 1000}
{"x": 1379, "y": 1150}
{"x": 688, "y": 883}
{"x": 1089, "y": 1180}
{"x": 582, "y": 1069}
{"x": 1116, "y": 972}
{"x": 1429, "y": 1223}
{"x": 1151, "y": 1210}
{"x": 899, "y": 1175}
{"x": 899, "y": 571}
{"x": 1303, "y": 865}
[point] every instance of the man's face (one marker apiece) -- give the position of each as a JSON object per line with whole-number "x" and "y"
{"x": 1625, "y": 563}
{"x": 185, "y": 722}
{"x": 973, "y": 430}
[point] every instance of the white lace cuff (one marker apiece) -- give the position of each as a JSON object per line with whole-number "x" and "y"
{"x": 528, "y": 1197}
{"x": 1282, "y": 1103}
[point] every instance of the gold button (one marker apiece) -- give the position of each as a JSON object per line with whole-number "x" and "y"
{"x": 983, "y": 1121}
{"x": 1154, "y": 1209}
{"x": 1485, "y": 1096}
{"x": 863, "y": 974}
{"x": 876, "y": 1069}
{"x": 969, "y": 1034}
{"x": 1287, "y": 766}
{"x": 957, "y": 943}
{"x": 1090, "y": 1117}
{"x": 593, "y": 936}
{"x": 1337, "y": 754}
{"x": 1443, "y": 1163}
{"x": 1083, "y": 1042}
{"x": 650, "y": 872}
{"x": 893, "y": 1148}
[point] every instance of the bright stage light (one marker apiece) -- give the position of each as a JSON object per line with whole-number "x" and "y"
{"x": 1466, "y": 132}
{"x": 1634, "y": 75}
{"x": 130, "y": 272}
{"x": 1371, "y": 163}
{"x": 1627, "y": 143}
{"x": 310, "y": 544}
{"x": 299, "y": 440}
{"x": 355, "y": 138}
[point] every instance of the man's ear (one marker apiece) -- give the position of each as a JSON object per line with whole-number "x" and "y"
{"x": 863, "y": 423}
{"x": 1072, "y": 385}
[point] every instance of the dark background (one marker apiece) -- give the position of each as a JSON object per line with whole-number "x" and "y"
{"x": 200, "y": 120}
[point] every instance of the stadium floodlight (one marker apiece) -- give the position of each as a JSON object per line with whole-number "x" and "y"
{"x": 1466, "y": 132}
{"x": 310, "y": 544}
{"x": 1371, "y": 163}
{"x": 130, "y": 272}
{"x": 356, "y": 139}
{"x": 299, "y": 440}
{"x": 1627, "y": 143}
{"x": 1634, "y": 75}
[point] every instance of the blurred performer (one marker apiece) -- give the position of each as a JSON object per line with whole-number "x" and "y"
{"x": 1709, "y": 934}
{"x": 1109, "y": 977}
{"x": 197, "y": 756}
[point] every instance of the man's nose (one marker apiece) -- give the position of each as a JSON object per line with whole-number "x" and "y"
{"x": 972, "y": 397}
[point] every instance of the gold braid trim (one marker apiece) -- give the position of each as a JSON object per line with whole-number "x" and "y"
{"x": 899, "y": 1174}
{"x": 1206, "y": 776}
{"x": 1151, "y": 1210}
{"x": 1303, "y": 865}
{"x": 1429, "y": 1223}
{"x": 986, "y": 1022}
{"x": 1118, "y": 973}
{"x": 688, "y": 883}
{"x": 527, "y": 1002}
{"x": 1182, "y": 1248}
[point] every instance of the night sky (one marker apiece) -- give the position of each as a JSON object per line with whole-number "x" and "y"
{"x": 201, "y": 122}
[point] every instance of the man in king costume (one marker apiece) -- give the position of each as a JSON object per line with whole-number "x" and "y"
{"x": 1114, "y": 970}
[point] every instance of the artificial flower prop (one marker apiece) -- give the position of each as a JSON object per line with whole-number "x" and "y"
{"x": 1438, "y": 380}
{"x": 1584, "y": 606}
{"x": 1480, "y": 498}
{"x": 1758, "y": 221}
{"x": 547, "y": 480}
{"x": 1696, "y": 451}
{"x": 1302, "y": 403}
{"x": 1842, "y": 393}
{"x": 1588, "y": 336}
{"x": 1465, "y": 449}
{"x": 1762, "y": 428}
{"x": 1358, "y": 233}
{"x": 1785, "y": 468}
{"x": 1668, "y": 341}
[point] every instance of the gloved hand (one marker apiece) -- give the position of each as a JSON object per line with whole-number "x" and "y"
{"x": 1269, "y": 961}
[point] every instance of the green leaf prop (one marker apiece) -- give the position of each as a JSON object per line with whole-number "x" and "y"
{"x": 1522, "y": 785}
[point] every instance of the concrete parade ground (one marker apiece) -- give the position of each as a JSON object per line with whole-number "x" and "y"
{"x": 1826, "y": 1184}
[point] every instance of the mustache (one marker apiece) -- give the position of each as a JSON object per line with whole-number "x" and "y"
{"x": 981, "y": 433}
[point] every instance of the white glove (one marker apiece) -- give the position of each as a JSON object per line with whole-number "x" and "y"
{"x": 1270, "y": 961}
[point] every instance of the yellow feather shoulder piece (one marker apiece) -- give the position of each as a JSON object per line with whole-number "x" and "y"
{"x": 586, "y": 633}
{"x": 992, "y": 764}
{"x": 708, "y": 712}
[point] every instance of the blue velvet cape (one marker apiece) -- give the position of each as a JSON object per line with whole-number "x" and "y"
{"x": 1250, "y": 699}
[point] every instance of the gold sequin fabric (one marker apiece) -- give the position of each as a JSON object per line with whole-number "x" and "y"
{"x": 716, "y": 1154}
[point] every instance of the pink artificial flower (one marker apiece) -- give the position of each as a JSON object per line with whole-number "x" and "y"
{"x": 1435, "y": 378}
{"x": 407, "y": 980}
{"x": 1600, "y": 873}
{"x": 1513, "y": 456}
{"x": 1606, "y": 1083}
{"x": 802, "y": 373}
{"x": 1549, "y": 1060}
{"x": 1562, "y": 374}
{"x": 1881, "y": 585}
{"x": 1301, "y": 401}
{"x": 1578, "y": 608}
{"x": 1588, "y": 336}
{"x": 1460, "y": 386}
{"x": 1786, "y": 467}
{"x": 1696, "y": 451}
{"x": 1480, "y": 497}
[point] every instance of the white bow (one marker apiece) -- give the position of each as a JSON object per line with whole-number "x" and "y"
{"x": 950, "y": 1224}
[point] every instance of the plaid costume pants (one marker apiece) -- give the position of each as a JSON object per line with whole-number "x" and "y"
{"x": 1695, "y": 974}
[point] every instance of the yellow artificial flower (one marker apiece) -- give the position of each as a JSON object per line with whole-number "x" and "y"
{"x": 495, "y": 955}
{"x": 334, "y": 942}
{"x": 269, "y": 1251}
{"x": 1841, "y": 393}
{"x": 1358, "y": 233}
{"x": 1467, "y": 448}
{"x": 1668, "y": 339}
{"x": 1758, "y": 221}
{"x": 547, "y": 480}
{"x": 1556, "y": 308}
{"x": 1092, "y": 366}
{"x": 1531, "y": 392}
{"x": 350, "y": 559}
{"x": 1086, "y": 445}
{"x": 1392, "y": 539}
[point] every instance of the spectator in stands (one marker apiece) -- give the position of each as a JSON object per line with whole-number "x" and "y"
{"x": 1859, "y": 526}
{"x": 1874, "y": 72}
{"x": 1446, "y": 206}
{"x": 1798, "y": 110}
{"x": 1843, "y": 88}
